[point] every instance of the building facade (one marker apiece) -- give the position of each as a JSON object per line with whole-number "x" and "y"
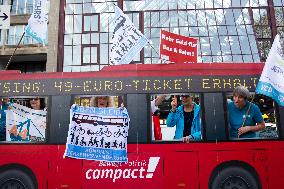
{"x": 227, "y": 31}
{"x": 30, "y": 56}
{"x": 80, "y": 31}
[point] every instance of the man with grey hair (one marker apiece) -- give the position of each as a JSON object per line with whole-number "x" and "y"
{"x": 245, "y": 117}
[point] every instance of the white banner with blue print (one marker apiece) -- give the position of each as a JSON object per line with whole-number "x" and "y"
{"x": 37, "y": 24}
{"x": 98, "y": 134}
{"x": 271, "y": 82}
{"x": 25, "y": 124}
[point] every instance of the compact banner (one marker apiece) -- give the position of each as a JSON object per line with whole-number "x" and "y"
{"x": 98, "y": 134}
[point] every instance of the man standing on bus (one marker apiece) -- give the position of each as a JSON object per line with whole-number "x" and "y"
{"x": 186, "y": 118}
{"x": 245, "y": 117}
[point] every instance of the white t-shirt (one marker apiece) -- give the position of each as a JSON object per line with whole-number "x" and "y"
{"x": 153, "y": 106}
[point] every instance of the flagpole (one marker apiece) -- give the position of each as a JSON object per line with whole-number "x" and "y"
{"x": 6, "y": 67}
{"x": 156, "y": 51}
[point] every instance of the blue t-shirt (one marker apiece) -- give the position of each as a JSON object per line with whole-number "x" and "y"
{"x": 236, "y": 118}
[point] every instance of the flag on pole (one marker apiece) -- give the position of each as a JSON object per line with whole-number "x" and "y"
{"x": 271, "y": 82}
{"x": 37, "y": 24}
{"x": 127, "y": 40}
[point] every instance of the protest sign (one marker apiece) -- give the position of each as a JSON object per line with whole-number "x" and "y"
{"x": 98, "y": 134}
{"x": 25, "y": 124}
{"x": 177, "y": 48}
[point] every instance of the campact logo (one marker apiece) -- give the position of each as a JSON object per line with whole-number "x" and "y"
{"x": 133, "y": 169}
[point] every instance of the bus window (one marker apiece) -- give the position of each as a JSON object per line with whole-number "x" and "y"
{"x": 23, "y": 119}
{"x": 99, "y": 101}
{"x": 251, "y": 117}
{"x": 175, "y": 117}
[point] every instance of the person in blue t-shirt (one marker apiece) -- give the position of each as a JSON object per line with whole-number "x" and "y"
{"x": 245, "y": 117}
{"x": 4, "y": 104}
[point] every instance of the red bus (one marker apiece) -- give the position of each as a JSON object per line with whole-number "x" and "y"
{"x": 213, "y": 162}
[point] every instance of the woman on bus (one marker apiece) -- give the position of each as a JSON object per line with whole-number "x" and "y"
{"x": 101, "y": 101}
{"x": 245, "y": 117}
{"x": 4, "y": 104}
{"x": 37, "y": 103}
{"x": 186, "y": 118}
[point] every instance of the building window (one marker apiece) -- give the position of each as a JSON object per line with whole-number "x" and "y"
{"x": 91, "y": 23}
{"x": 15, "y": 33}
{"x": 87, "y": 35}
{"x": 90, "y": 54}
{"x": 22, "y": 6}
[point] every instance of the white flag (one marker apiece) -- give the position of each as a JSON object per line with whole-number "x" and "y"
{"x": 37, "y": 24}
{"x": 271, "y": 82}
{"x": 127, "y": 40}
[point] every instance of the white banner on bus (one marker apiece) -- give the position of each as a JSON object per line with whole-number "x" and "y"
{"x": 37, "y": 24}
{"x": 127, "y": 40}
{"x": 98, "y": 134}
{"x": 25, "y": 124}
{"x": 271, "y": 82}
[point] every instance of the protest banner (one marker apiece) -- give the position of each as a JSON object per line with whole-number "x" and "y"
{"x": 25, "y": 124}
{"x": 271, "y": 82}
{"x": 37, "y": 24}
{"x": 98, "y": 134}
{"x": 127, "y": 40}
{"x": 177, "y": 48}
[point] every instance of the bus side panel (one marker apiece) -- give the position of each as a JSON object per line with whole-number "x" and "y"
{"x": 33, "y": 157}
{"x": 275, "y": 168}
{"x": 210, "y": 160}
{"x": 144, "y": 169}
{"x": 181, "y": 170}
{"x": 69, "y": 171}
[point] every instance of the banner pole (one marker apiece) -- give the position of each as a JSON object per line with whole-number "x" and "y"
{"x": 163, "y": 60}
{"x": 6, "y": 67}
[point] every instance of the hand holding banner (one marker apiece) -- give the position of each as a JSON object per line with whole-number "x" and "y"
{"x": 98, "y": 134}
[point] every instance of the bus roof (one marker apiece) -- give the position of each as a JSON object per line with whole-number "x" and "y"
{"x": 6, "y": 72}
{"x": 132, "y": 70}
